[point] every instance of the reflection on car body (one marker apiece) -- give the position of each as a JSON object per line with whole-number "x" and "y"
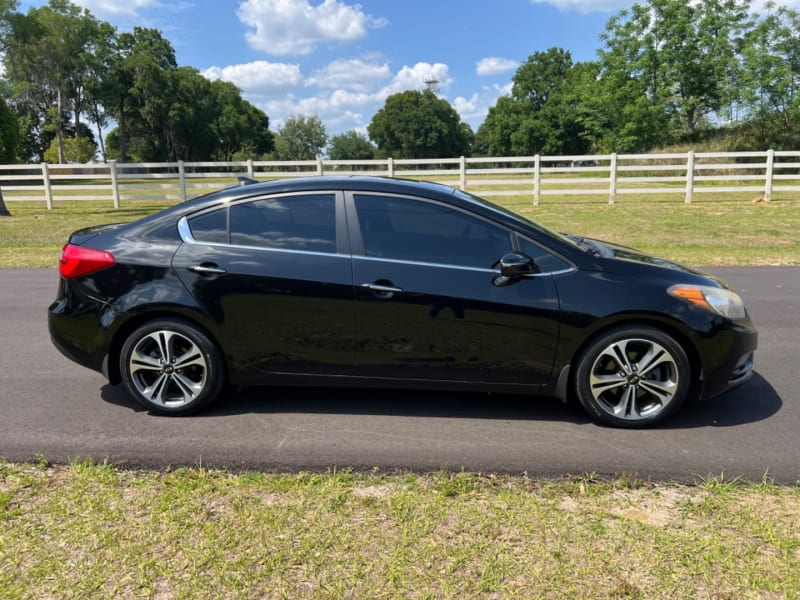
{"x": 381, "y": 282}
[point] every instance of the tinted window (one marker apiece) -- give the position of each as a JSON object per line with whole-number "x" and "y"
{"x": 546, "y": 261}
{"x": 210, "y": 227}
{"x": 289, "y": 222}
{"x": 405, "y": 229}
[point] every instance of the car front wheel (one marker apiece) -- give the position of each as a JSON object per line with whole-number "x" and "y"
{"x": 171, "y": 367}
{"x": 633, "y": 377}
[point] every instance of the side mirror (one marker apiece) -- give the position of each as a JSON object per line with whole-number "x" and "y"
{"x": 515, "y": 265}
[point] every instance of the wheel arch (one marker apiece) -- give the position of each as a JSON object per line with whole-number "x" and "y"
{"x": 670, "y": 327}
{"x": 111, "y": 361}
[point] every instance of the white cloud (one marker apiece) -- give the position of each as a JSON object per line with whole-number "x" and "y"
{"x": 115, "y": 8}
{"x": 587, "y": 6}
{"x": 415, "y": 78}
{"x": 344, "y": 94}
{"x": 284, "y": 27}
{"x": 476, "y": 107}
{"x": 349, "y": 74}
{"x": 493, "y": 65}
{"x": 259, "y": 78}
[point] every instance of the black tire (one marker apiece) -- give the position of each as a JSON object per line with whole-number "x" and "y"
{"x": 632, "y": 377}
{"x": 171, "y": 367}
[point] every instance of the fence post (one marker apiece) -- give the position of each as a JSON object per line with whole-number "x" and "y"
{"x": 390, "y": 167}
{"x": 48, "y": 191}
{"x": 320, "y": 170}
{"x": 689, "y": 176}
{"x": 537, "y": 179}
{"x": 612, "y": 180}
{"x": 182, "y": 180}
{"x": 769, "y": 176}
{"x": 462, "y": 165}
{"x": 112, "y": 169}
{"x": 250, "y": 169}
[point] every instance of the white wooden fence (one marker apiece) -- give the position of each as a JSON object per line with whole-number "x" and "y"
{"x": 529, "y": 178}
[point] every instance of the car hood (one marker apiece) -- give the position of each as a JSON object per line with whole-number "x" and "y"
{"x": 611, "y": 254}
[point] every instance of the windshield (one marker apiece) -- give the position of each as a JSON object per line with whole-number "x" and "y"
{"x": 497, "y": 208}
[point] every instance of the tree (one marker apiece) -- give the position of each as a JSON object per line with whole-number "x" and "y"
{"x": 770, "y": 81}
{"x": 9, "y": 138}
{"x": 46, "y": 55}
{"x": 300, "y": 138}
{"x": 415, "y": 124}
{"x": 239, "y": 127}
{"x": 542, "y": 115}
{"x": 76, "y": 150}
{"x": 684, "y": 54}
{"x": 351, "y": 145}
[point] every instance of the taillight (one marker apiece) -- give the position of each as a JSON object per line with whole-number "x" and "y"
{"x": 77, "y": 261}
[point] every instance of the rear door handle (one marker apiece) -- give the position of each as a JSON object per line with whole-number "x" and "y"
{"x": 381, "y": 289}
{"x": 207, "y": 269}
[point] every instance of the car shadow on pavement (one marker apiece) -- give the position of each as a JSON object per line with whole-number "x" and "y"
{"x": 753, "y": 402}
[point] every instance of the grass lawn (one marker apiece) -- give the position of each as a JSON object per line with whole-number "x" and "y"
{"x": 92, "y": 531}
{"x": 714, "y": 230}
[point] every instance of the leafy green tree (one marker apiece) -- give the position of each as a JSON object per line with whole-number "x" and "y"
{"x": 9, "y": 139}
{"x": 76, "y": 150}
{"x": 46, "y": 55}
{"x": 770, "y": 81}
{"x": 300, "y": 138}
{"x": 239, "y": 127}
{"x": 415, "y": 124}
{"x": 542, "y": 115}
{"x": 9, "y": 134}
{"x": 351, "y": 145}
{"x": 684, "y": 54}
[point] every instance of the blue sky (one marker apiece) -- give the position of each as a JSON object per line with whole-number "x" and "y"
{"x": 340, "y": 59}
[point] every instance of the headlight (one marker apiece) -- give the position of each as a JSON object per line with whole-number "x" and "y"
{"x": 719, "y": 300}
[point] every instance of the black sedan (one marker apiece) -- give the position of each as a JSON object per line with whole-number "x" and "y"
{"x": 361, "y": 281}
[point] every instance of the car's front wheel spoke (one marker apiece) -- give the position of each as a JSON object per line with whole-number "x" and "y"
{"x": 189, "y": 388}
{"x": 155, "y": 391}
{"x": 604, "y": 383}
{"x": 627, "y": 406}
{"x": 663, "y": 390}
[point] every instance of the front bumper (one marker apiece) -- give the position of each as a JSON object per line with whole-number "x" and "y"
{"x": 729, "y": 359}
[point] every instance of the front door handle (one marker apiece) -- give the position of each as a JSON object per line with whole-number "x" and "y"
{"x": 207, "y": 269}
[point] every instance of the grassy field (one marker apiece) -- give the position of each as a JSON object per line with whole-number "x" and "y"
{"x": 726, "y": 229}
{"x": 92, "y": 531}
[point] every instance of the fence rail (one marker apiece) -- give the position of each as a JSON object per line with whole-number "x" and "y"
{"x": 528, "y": 177}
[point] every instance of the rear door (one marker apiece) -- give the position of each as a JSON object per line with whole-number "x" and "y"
{"x": 428, "y": 303}
{"x": 275, "y": 274}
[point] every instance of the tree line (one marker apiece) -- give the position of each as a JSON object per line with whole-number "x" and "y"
{"x": 667, "y": 72}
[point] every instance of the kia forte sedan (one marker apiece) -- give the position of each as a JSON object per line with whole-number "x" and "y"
{"x": 365, "y": 281}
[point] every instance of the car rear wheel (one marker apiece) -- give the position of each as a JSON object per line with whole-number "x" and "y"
{"x": 171, "y": 367}
{"x": 633, "y": 377}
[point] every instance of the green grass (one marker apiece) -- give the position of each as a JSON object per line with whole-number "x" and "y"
{"x": 718, "y": 229}
{"x": 93, "y": 531}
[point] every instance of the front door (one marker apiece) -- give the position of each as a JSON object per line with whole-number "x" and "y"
{"x": 428, "y": 306}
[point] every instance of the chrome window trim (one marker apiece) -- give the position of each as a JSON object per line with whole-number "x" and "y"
{"x": 187, "y": 237}
{"x": 456, "y": 267}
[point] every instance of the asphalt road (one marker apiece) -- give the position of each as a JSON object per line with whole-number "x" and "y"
{"x": 52, "y": 407}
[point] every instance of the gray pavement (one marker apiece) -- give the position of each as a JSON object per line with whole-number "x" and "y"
{"x": 50, "y": 406}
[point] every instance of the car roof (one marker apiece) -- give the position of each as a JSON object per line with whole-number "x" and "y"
{"x": 327, "y": 182}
